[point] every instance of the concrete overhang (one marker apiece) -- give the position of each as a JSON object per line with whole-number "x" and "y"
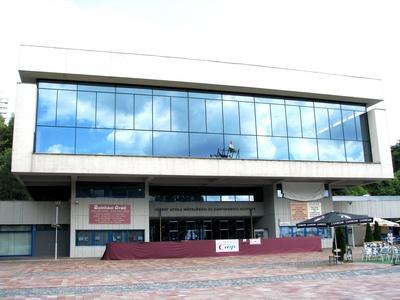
{"x": 195, "y": 171}
{"x": 49, "y": 63}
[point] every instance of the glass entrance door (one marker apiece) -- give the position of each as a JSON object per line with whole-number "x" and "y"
{"x": 191, "y": 231}
{"x": 224, "y": 229}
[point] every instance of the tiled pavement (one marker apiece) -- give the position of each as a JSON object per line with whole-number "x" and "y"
{"x": 289, "y": 276}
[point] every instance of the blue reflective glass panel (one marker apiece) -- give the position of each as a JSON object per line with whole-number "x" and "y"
{"x": 204, "y": 145}
{"x": 231, "y": 117}
{"x": 322, "y": 123}
{"x": 161, "y": 113}
{"x": 96, "y": 88}
{"x": 353, "y": 107}
{"x": 86, "y": 109}
{"x": 326, "y": 105}
{"x": 139, "y": 91}
{"x": 307, "y": 122}
{"x": 47, "y": 103}
{"x": 299, "y": 103}
{"x": 170, "y": 144}
{"x": 246, "y": 145}
{"x": 335, "y": 122}
{"x": 66, "y": 108}
{"x": 269, "y": 100}
{"x": 214, "y": 116}
{"x": 170, "y": 93}
{"x": 124, "y": 106}
{"x": 57, "y": 85}
{"x": 197, "y": 115}
{"x": 293, "y": 121}
{"x": 238, "y": 98}
{"x": 349, "y": 125}
{"x": 263, "y": 116}
{"x": 55, "y": 139}
{"x": 131, "y": 142}
{"x": 361, "y": 126}
{"x": 247, "y": 118}
{"x": 355, "y": 151}
{"x": 143, "y": 112}
{"x": 278, "y": 120}
{"x": 94, "y": 141}
{"x": 272, "y": 148}
{"x": 303, "y": 149}
{"x": 205, "y": 95}
{"x": 330, "y": 150}
{"x": 105, "y": 110}
{"x": 179, "y": 114}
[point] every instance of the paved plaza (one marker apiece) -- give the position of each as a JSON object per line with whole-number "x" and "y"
{"x": 289, "y": 276}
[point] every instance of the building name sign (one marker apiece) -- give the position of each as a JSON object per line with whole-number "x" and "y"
{"x": 172, "y": 209}
{"x": 109, "y": 214}
{"x": 226, "y": 245}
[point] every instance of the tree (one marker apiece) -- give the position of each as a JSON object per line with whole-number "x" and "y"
{"x": 10, "y": 187}
{"x": 341, "y": 242}
{"x": 368, "y": 234}
{"x": 377, "y": 232}
{"x": 396, "y": 156}
{"x": 357, "y": 190}
{"x": 386, "y": 188}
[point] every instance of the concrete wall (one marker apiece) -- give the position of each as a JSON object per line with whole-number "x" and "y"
{"x": 282, "y": 215}
{"x": 267, "y": 222}
{"x": 44, "y": 62}
{"x": 33, "y": 212}
{"x": 380, "y": 207}
{"x": 80, "y": 221}
{"x": 24, "y": 127}
{"x": 102, "y": 66}
{"x": 206, "y": 209}
{"x": 380, "y": 146}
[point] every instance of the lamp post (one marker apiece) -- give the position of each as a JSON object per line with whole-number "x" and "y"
{"x": 251, "y": 222}
{"x": 57, "y": 203}
{"x": 160, "y": 225}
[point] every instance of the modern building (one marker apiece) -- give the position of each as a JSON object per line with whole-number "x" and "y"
{"x": 148, "y": 148}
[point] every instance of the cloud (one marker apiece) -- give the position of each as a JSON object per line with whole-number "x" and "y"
{"x": 59, "y": 148}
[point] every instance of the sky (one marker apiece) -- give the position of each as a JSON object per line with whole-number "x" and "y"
{"x": 359, "y": 38}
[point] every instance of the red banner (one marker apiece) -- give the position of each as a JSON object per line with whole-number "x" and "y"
{"x": 109, "y": 214}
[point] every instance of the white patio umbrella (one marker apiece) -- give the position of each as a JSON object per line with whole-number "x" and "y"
{"x": 385, "y": 223}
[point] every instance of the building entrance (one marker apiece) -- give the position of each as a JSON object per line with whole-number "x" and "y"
{"x": 199, "y": 229}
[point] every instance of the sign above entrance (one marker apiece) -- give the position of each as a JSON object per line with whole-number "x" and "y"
{"x": 227, "y": 246}
{"x": 109, "y": 214}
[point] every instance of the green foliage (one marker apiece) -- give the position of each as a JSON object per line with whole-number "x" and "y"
{"x": 341, "y": 242}
{"x": 377, "y": 232}
{"x": 353, "y": 191}
{"x": 386, "y": 188}
{"x": 10, "y": 187}
{"x": 396, "y": 156}
{"x": 368, "y": 234}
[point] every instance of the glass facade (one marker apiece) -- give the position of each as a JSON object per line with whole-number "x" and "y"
{"x": 78, "y": 118}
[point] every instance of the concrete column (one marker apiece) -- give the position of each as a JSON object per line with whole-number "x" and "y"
{"x": 379, "y": 139}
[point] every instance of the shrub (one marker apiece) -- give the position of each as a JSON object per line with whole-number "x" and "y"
{"x": 341, "y": 242}
{"x": 368, "y": 234}
{"x": 377, "y": 232}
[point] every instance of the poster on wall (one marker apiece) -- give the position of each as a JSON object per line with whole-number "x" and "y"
{"x": 314, "y": 209}
{"x": 109, "y": 214}
{"x": 226, "y": 245}
{"x": 298, "y": 211}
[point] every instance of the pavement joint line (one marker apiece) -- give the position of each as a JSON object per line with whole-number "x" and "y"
{"x": 178, "y": 270}
{"x": 187, "y": 285}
